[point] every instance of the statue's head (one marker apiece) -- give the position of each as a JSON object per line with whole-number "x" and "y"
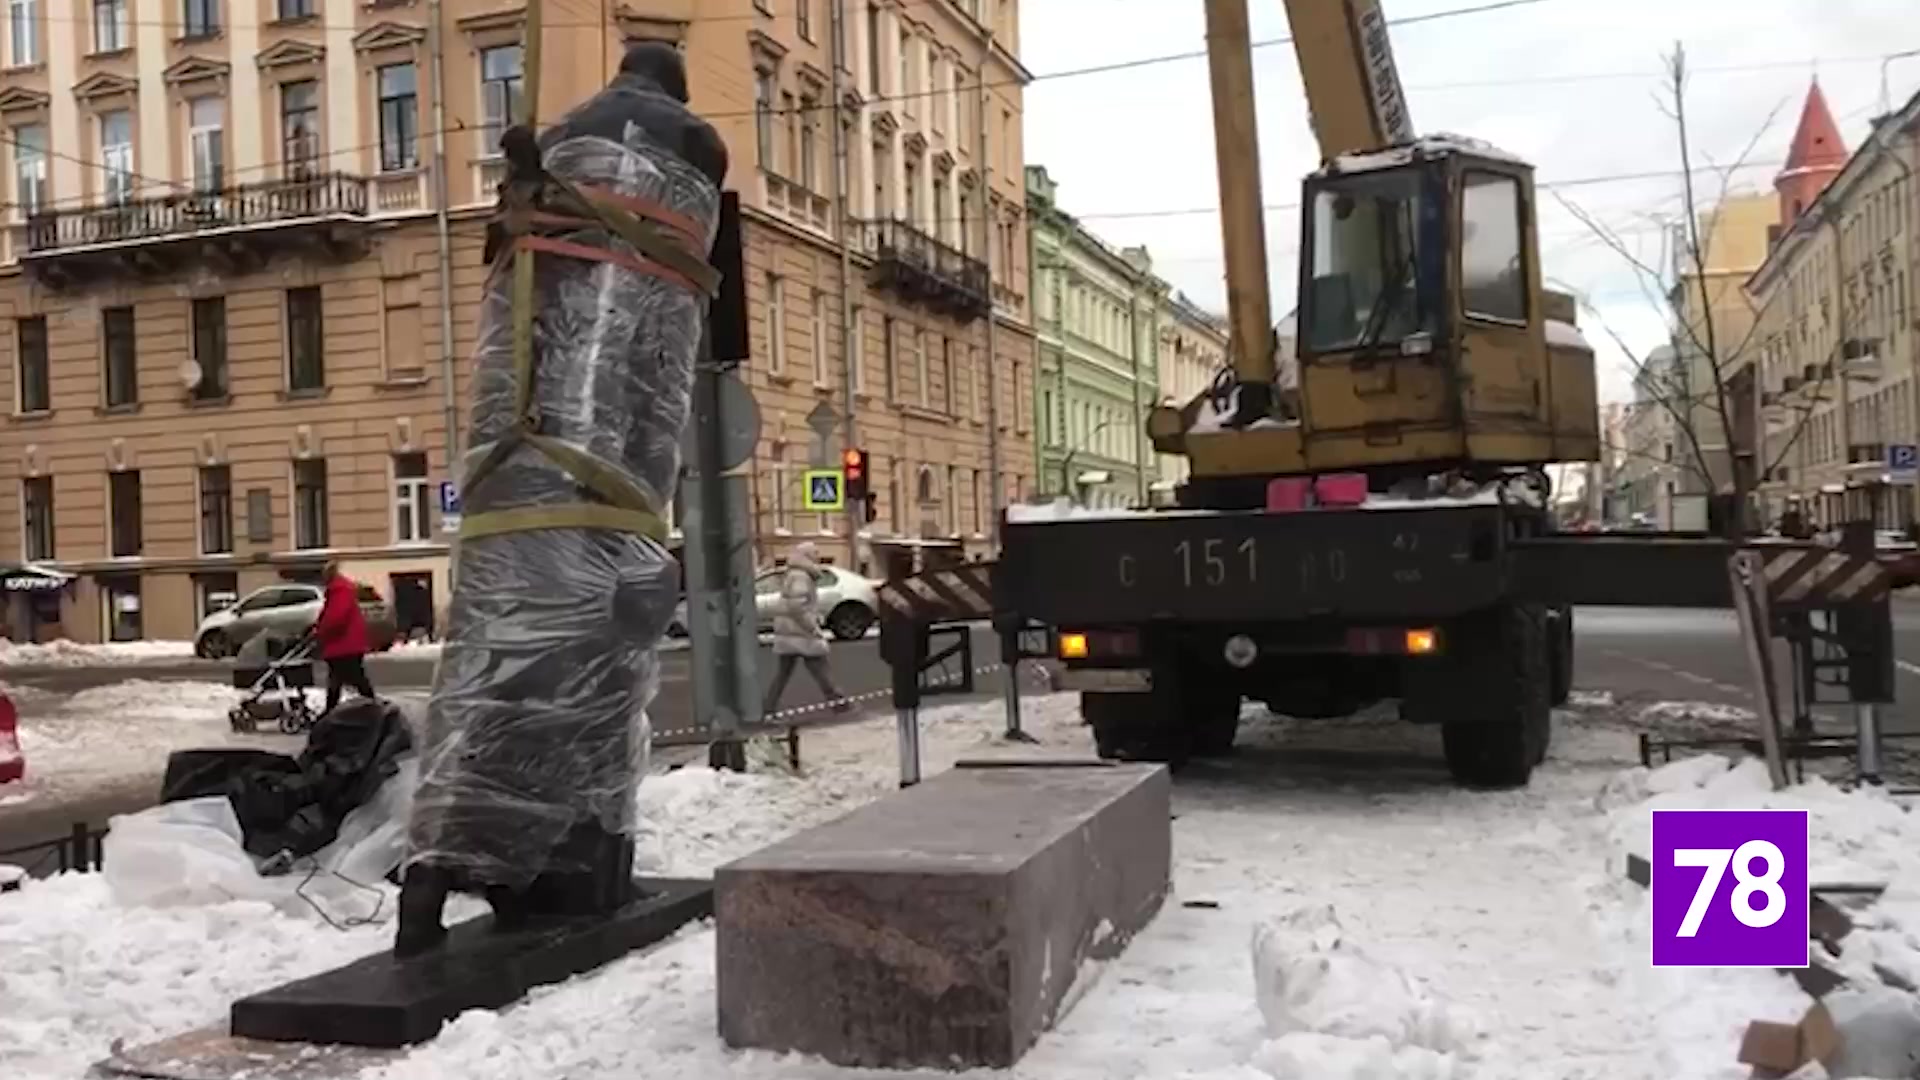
{"x": 658, "y": 63}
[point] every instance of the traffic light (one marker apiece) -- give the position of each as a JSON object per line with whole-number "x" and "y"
{"x": 854, "y": 463}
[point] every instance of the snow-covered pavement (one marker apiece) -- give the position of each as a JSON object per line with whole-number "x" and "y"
{"x": 1339, "y": 912}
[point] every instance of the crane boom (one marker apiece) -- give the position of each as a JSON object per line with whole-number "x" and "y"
{"x": 1353, "y": 86}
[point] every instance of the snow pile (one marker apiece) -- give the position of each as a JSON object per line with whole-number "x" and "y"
{"x": 691, "y": 819}
{"x": 1861, "y": 835}
{"x": 72, "y": 654}
{"x": 1710, "y": 712}
{"x": 1337, "y": 1013}
{"x": 80, "y": 971}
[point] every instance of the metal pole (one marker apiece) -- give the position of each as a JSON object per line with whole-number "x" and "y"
{"x": 843, "y": 220}
{"x": 996, "y": 493}
{"x": 908, "y": 723}
{"x": 1866, "y": 717}
{"x": 436, "y": 49}
{"x": 1010, "y": 691}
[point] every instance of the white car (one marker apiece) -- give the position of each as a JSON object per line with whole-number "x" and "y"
{"x": 849, "y": 602}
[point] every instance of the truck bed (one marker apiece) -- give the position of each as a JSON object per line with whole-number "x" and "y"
{"x": 1387, "y": 563}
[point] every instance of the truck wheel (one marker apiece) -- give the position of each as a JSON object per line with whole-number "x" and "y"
{"x": 1496, "y": 719}
{"x": 1560, "y": 655}
{"x": 1137, "y": 727}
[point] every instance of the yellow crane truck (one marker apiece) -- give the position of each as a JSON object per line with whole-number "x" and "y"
{"x": 1374, "y": 525}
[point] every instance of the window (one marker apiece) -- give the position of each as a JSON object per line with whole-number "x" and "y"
{"x": 30, "y": 357}
{"x": 976, "y": 503}
{"x": 116, "y": 154}
{"x": 123, "y": 513}
{"x": 780, "y": 478}
{"x": 399, "y": 117}
{"x": 501, "y": 90}
{"x": 873, "y": 49}
{"x": 953, "y": 500}
{"x": 412, "y": 506}
{"x": 776, "y": 328}
{"x": 300, "y": 127}
{"x": 792, "y": 113}
{"x": 942, "y": 225}
{"x": 216, "y": 510}
{"x": 30, "y": 166}
{"x": 889, "y": 346}
{"x": 200, "y": 18}
{"x": 217, "y": 592}
{"x": 946, "y": 375}
{"x": 763, "y": 116}
{"x": 118, "y": 359}
{"x": 857, "y": 350}
{"x": 22, "y": 31}
{"x": 109, "y": 25}
{"x": 210, "y": 348}
{"x": 916, "y": 341}
{"x": 206, "y": 143}
{"x": 295, "y": 9}
{"x": 36, "y": 516}
{"x": 819, "y": 338}
{"x": 120, "y": 593}
{"x": 803, "y": 18}
{"x": 1493, "y": 268}
{"x": 306, "y": 363}
{"x": 910, "y": 192}
{"x": 808, "y": 148}
{"x": 310, "y": 504}
{"x": 906, "y": 69}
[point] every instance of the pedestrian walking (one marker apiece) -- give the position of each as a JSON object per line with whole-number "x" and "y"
{"x": 341, "y": 633}
{"x": 798, "y": 636}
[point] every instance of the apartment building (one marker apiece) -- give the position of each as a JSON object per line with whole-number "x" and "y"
{"x": 1098, "y": 314}
{"x": 1836, "y": 351}
{"x": 240, "y": 267}
{"x": 1193, "y": 351}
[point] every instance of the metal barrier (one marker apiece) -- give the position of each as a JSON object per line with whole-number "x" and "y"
{"x": 81, "y": 849}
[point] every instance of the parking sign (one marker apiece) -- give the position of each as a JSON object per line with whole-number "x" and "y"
{"x": 1903, "y": 460}
{"x": 449, "y": 507}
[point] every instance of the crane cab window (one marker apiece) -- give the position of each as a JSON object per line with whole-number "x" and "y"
{"x": 1493, "y": 267}
{"x": 1365, "y": 278}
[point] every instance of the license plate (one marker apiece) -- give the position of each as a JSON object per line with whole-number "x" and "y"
{"x": 1107, "y": 680}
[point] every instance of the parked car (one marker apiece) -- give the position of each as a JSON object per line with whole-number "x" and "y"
{"x": 851, "y": 602}
{"x": 286, "y": 611}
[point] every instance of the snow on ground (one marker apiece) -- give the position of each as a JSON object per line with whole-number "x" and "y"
{"x": 70, "y": 654}
{"x": 1709, "y": 712}
{"x": 1340, "y": 911}
{"x": 121, "y": 733}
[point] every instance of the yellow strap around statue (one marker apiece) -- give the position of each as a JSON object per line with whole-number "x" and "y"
{"x": 564, "y": 516}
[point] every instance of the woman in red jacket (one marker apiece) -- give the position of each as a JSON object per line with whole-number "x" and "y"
{"x": 341, "y": 633}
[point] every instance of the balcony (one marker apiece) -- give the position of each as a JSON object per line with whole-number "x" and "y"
{"x": 923, "y": 270}
{"x": 795, "y": 203}
{"x": 235, "y": 229}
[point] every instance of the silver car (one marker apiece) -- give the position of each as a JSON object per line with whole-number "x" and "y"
{"x": 285, "y": 611}
{"x": 849, "y": 602}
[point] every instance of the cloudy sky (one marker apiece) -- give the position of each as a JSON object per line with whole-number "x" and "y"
{"x": 1569, "y": 84}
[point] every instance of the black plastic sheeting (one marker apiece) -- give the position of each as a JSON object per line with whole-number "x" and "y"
{"x": 296, "y": 804}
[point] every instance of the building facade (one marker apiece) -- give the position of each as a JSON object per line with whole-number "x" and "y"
{"x": 1193, "y": 351}
{"x": 241, "y": 261}
{"x": 1836, "y": 351}
{"x": 1097, "y": 375}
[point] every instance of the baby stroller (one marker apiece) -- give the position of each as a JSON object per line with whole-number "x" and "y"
{"x": 277, "y": 691}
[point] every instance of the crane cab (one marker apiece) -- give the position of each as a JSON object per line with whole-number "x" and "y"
{"x": 1423, "y": 328}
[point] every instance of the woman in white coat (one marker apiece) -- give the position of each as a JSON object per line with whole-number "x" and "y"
{"x": 797, "y": 633}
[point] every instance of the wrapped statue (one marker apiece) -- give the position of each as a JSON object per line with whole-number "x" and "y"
{"x": 536, "y": 735}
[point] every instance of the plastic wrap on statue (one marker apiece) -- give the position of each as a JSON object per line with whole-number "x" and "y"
{"x": 536, "y": 734}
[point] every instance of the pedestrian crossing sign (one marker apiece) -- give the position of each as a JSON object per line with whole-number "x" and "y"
{"x": 823, "y": 489}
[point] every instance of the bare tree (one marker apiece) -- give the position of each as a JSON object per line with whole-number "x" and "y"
{"x": 1697, "y": 333}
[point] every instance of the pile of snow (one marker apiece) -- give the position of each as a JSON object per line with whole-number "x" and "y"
{"x": 1710, "y": 712}
{"x": 1335, "y": 1012}
{"x": 71, "y": 654}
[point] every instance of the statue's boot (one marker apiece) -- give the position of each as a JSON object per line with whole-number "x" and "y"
{"x": 423, "y": 896}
